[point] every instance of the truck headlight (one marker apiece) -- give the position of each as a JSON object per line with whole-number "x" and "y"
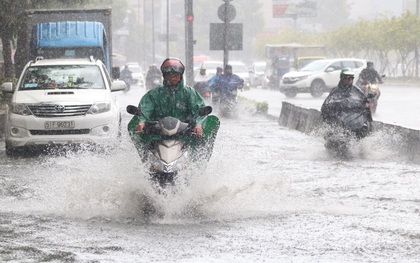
{"x": 99, "y": 107}
{"x": 20, "y": 109}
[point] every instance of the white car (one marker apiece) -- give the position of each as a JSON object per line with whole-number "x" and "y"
{"x": 238, "y": 67}
{"x": 318, "y": 76}
{"x": 62, "y": 102}
{"x": 257, "y": 73}
{"x": 241, "y": 69}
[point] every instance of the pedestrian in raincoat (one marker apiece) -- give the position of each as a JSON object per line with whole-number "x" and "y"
{"x": 173, "y": 98}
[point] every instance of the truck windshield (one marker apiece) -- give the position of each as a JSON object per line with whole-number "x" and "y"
{"x": 62, "y": 77}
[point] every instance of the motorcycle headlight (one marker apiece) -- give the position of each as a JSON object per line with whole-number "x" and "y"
{"x": 99, "y": 107}
{"x": 20, "y": 109}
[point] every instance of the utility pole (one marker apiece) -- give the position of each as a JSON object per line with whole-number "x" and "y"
{"x": 225, "y": 29}
{"x": 153, "y": 32}
{"x": 167, "y": 28}
{"x": 189, "y": 42}
{"x": 144, "y": 33}
{"x": 417, "y": 50}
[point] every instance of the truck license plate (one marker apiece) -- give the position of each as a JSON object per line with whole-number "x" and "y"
{"x": 53, "y": 125}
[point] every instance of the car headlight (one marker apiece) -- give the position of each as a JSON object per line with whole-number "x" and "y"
{"x": 20, "y": 109}
{"x": 99, "y": 107}
{"x": 300, "y": 78}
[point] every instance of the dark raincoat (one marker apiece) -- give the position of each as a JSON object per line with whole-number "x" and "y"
{"x": 347, "y": 107}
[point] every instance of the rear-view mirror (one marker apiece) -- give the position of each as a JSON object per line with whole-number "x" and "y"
{"x": 205, "y": 111}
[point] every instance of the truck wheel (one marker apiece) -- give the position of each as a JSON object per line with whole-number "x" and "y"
{"x": 291, "y": 93}
{"x": 317, "y": 88}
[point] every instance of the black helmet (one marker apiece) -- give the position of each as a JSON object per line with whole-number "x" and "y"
{"x": 370, "y": 64}
{"x": 172, "y": 65}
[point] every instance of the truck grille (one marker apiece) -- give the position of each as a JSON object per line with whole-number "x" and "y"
{"x": 57, "y": 110}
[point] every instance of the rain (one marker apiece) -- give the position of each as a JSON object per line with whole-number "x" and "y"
{"x": 271, "y": 191}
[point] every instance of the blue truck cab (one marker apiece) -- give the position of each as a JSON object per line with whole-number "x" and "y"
{"x": 70, "y": 39}
{"x": 65, "y": 33}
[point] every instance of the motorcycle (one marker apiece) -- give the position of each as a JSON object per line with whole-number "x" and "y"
{"x": 372, "y": 91}
{"x": 203, "y": 89}
{"x": 128, "y": 79}
{"x": 226, "y": 100}
{"x": 351, "y": 124}
{"x": 228, "y": 103}
{"x": 168, "y": 146}
{"x": 153, "y": 83}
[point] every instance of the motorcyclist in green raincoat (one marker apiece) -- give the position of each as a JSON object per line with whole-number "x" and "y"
{"x": 174, "y": 99}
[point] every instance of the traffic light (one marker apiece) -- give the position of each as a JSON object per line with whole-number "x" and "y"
{"x": 190, "y": 18}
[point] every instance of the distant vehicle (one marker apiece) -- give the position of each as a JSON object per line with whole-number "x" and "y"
{"x": 210, "y": 66}
{"x": 257, "y": 73}
{"x": 65, "y": 33}
{"x": 284, "y": 58}
{"x": 241, "y": 69}
{"x": 136, "y": 73}
{"x": 318, "y": 76}
{"x": 62, "y": 102}
{"x": 238, "y": 67}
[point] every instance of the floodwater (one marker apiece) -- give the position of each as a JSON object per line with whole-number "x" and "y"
{"x": 268, "y": 194}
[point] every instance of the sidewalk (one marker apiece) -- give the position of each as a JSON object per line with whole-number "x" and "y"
{"x": 275, "y": 98}
{"x": 398, "y": 104}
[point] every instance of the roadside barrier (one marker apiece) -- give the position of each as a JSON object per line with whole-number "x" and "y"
{"x": 309, "y": 121}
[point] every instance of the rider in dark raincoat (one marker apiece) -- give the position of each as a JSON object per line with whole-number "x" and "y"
{"x": 227, "y": 84}
{"x": 347, "y": 106}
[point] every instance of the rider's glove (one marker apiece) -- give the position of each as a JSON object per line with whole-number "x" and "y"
{"x": 198, "y": 130}
{"x": 140, "y": 127}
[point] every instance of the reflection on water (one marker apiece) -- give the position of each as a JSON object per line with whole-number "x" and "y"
{"x": 264, "y": 185}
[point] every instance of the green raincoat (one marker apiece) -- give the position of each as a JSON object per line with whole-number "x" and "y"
{"x": 181, "y": 102}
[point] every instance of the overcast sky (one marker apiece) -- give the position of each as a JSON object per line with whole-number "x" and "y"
{"x": 375, "y": 8}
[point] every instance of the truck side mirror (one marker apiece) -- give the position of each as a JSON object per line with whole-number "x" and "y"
{"x": 115, "y": 73}
{"x": 7, "y": 87}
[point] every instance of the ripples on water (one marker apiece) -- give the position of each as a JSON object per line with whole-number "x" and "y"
{"x": 281, "y": 180}
{"x": 248, "y": 174}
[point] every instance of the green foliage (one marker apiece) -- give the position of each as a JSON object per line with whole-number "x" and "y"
{"x": 262, "y": 107}
{"x": 389, "y": 40}
{"x": 379, "y": 39}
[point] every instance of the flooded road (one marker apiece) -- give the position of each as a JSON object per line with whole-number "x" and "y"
{"x": 268, "y": 194}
